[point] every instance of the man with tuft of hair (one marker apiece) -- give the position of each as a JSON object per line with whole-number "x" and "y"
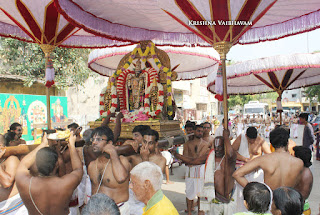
{"x": 37, "y": 192}
{"x": 146, "y": 181}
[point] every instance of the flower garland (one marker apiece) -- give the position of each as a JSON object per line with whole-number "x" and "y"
{"x": 147, "y": 101}
{"x": 150, "y": 48}
{"x": 169, "y": 85}
{"x": 102, "y": 103}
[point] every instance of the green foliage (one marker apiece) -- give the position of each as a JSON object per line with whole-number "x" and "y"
{"x": 235, "y": 100}
{"x": 239, "y": 100}
{"x": 27, "y": 59}
{"x": 313, "y": 92}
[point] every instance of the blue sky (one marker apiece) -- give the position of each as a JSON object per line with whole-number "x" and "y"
{"x": 302, "y": 43}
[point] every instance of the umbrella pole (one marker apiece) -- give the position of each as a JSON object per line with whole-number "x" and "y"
{"x": 48, "y": 107}
{"x": 47, "y": 49}
{"x": 223, "y": 48}
{"x": 279, "y": 106}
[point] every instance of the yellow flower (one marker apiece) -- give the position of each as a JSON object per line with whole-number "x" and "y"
{"x": 165, "y": 69}
{"x": 170, "y": 113}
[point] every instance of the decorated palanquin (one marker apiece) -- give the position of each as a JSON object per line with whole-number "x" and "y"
{"x": 141, "y": 89}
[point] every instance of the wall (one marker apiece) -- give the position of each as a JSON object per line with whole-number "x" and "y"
{"x": 83, "y": 102}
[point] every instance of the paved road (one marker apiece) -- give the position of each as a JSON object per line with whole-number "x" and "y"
{"x": 176, "y": 192}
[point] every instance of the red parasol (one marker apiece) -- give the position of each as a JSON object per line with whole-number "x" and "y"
{"x": 39, "y": 22}
{"x": 271, "y": 74}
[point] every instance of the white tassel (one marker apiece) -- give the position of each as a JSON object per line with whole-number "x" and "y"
{"x": 219, "y": 85}
{"x": 49, "y": 77}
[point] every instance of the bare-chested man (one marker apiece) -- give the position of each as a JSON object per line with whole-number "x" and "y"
{"x": 10, "y": 200}
{"x": 13, "y": 137}
{"x": 216, "y": 197}
{"x": 109, "y": 173}
{"x": 274, "y": 165}
{"x": 286, "y": 120}
{"x": 193, "y": 149}
{"x": 206, "y": 133}
{"x": 149, "y": 149}
{"x": 253, "y": 119}
{"x": 267, "y": 127}
{"x": 305, "y": 186}
{"x": 249, "y": 146}
{"x": 137, "y": 136}
{"x": 48, "y": 194}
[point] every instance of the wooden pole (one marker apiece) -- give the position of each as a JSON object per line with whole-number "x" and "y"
{"x": 225, "y": 95}
{"x": 47, "y": 49}
{"x": 223, "y": 48}
{"x": 48, "y": 107}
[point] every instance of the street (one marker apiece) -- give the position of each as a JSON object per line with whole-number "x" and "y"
{"x": 176, "y": 192}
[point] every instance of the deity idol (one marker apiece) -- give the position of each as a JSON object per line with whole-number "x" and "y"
{"x": 154, "y": 96}
{"x": 136, "y": 88}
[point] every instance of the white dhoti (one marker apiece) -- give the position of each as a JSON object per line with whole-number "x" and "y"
{"x": 136, "y": 207}
{"x": 167, "y": 155}
{"x": 267, "y": 130}
{"x": 194, "y": 181}
{"x": 257, "y": 176}
{"x": 13, "y": 205}
{"x": 222, "y": 208}
{"x": 294, "y": 130}
{"x": 239, "y": 128}
{"x": 124, "y": 208}
{"x": 81, "y": 194}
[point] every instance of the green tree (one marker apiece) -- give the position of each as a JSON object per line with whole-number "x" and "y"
{"x": 27, "y": 59}
{"x": 313, "y": 92}
{"x": 235, "y": 100}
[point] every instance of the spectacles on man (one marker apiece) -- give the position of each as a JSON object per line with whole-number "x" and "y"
{"x": 98, "y": 139}
{"x": 19, "y": 129}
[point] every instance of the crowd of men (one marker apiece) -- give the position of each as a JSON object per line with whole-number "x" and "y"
{"x": 102, "y": 178}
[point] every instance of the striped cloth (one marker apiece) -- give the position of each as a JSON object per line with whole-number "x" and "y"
{"x": 13, "y": 205}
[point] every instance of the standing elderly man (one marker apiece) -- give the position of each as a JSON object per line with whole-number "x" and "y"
{"x": 146, "y": 181}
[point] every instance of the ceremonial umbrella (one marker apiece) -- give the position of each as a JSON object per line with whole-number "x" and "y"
{"x": 193, "y": 62}
{"x": 221, "y": 23}
{"x": 276, "y": 73}
{"x": 38, "y": 21}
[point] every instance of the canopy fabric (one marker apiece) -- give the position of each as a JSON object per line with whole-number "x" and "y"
{"x": 168, "y": 21}
{"x": 275, "y": 73}
{"x": 39, "y": 21}
{"x": 193, "y": 62}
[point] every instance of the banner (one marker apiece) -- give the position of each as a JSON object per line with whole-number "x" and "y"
{"x": 28, "y": 110}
